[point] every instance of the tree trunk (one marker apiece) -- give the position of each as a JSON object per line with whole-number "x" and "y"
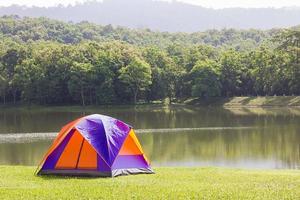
{"x": 135, "y": 96}
{"x": 96, "y": 98}
{"x": 170, "y": 99}
{"x": 91, "y": 97}
{"x": 82, "y": 96}
{"x": 297, "y": 51}
{"x": 14, "y": 96}
{"x": 4, "y": 97}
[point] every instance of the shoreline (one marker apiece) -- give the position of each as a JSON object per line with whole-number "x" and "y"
{"x": 226, "y": 102}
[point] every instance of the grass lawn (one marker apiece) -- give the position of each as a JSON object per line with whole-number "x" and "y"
{"x": 17, "y": 182}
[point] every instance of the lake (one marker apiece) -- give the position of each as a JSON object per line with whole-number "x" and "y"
{"x": 170, "y": 135}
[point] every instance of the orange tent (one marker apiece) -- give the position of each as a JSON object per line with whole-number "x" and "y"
{"x": 95, "y": 145}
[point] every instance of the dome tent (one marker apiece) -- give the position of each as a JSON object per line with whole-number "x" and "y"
{"x": 95, "y": 145}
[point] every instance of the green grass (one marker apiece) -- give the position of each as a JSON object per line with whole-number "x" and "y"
{"x": 17, "y": 182}
{"x": 246, "y": 101}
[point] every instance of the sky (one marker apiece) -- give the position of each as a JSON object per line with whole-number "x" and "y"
{"x": 206, "y": 3}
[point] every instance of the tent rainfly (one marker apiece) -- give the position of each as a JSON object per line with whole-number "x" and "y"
{"x": 95, "y": 145}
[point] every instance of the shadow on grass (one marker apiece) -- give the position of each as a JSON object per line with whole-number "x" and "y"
{"x": 283, "y": 101}
{"x": 246, "y": 101}
{"x": 57, "y": 177}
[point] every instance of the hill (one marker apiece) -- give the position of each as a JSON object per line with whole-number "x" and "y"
{"x": 163, "y": 16}
{"x": 32, "y": 29}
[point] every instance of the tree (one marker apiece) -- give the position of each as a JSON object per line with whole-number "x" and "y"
{"x": 206, "y": 81}
{"x": 100, "y": 87}
{"x": 137, "y": 75}
{"x": 10, "y": 60}
{"x": 177, "y": 71}
{"x": 45, "y": 61}
{"x": 79, "y": 80}
{"x": 289, "y": 41}
{"x": 29, "y": 77}
{"x": 3, "y": 86}
{"x": 163, "y": 77}
{"x": 54, "y": 60}
{"x": 230, "y": 69}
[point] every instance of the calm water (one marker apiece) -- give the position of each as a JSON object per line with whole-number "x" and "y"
{"x": 243, "y": 138}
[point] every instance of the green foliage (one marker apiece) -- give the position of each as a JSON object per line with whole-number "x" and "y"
{"x": 289, "y": 41}
{"x": 137, "y": 75}
{"x": 206, "y": 79}
{"x": 45, "y": 61}
{"x": 231, "y": 65}
{"x": 80, "y": 76}
{"x": 32, "y": 29}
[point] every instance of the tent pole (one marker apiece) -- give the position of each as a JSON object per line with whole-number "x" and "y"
{"x": 79, "y": 153}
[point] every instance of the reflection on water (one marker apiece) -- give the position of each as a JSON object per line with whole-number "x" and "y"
{"x": 270, "y": 137}
{"x": 23, "y": 153}
{"x": 32, "y": 137}
{"x": 266, "y": 148}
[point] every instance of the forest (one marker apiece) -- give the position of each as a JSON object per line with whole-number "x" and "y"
{"x": 49, "y": 62}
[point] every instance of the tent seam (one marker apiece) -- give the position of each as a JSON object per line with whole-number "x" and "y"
{"x": 121, "y": 146}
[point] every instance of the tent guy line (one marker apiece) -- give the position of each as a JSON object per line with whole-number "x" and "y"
{"x": 31, "y": 137}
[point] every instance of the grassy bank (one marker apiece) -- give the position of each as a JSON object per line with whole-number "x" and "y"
{"x": 246, "y": 101}
{"x": 268, "y": 101}
{"x": 168, "y": 183}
